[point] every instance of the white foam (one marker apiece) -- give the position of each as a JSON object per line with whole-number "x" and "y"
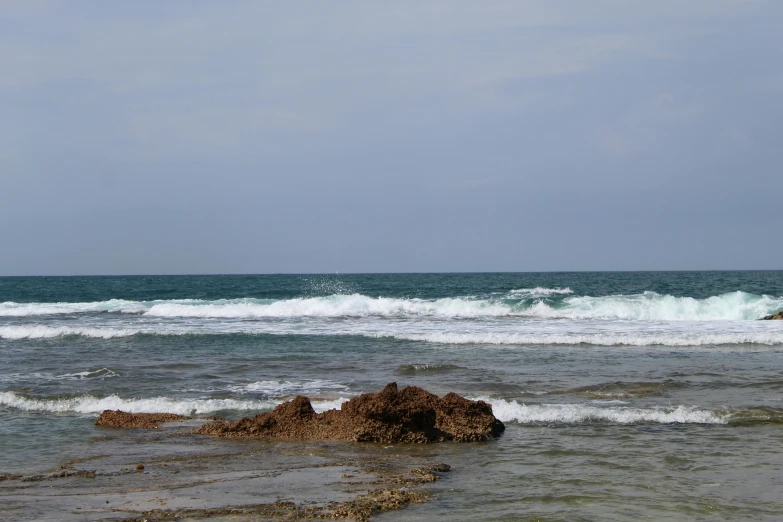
{"x": 87, "y": 404}
{"x": 651, "y": 306}
{"x": 90, "y": 404}
{"x": 427, "y": 367}
{"x": 321, "y": 406}
{"x": 287, "y": 388}
{"x": 12, "y": 309}
{"x": 49, "y": 332}
{"x": 355, "y": 305}
{"x": 648, "y": 306}
{"x": 101, "y": 373}
{"x": 512, "y": 411}
{"x": 540, "y": 291}
{"x": 631, "y": 334}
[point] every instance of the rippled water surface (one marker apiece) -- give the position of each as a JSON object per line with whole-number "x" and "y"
{"x": 626, "y": 395}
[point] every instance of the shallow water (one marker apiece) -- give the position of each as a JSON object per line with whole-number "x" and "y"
{"x": 626, "y": 395}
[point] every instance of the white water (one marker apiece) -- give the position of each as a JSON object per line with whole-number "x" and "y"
{"x": 11, "y": 309}
{"x": 512, "y": 411}
{"x": 651, "y": 306}
{"x": 49, "y": 332}
{"x": 528, "y": 316}
{"x": 101, "y": 373}
{"x": 355, "y": 305}
{"x": 87, "y": 404}
{"x": 506, "y": 411}
{"x": 648, "y": 306}
{"x": 521, "y": 331}
{"x": 540, "y": 292}
{"x": 288, "y": 388}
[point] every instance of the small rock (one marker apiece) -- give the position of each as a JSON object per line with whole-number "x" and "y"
{"x": 121, "y": 419}
{"x": 776, "y": 315}
{"x": 139, "y": 467}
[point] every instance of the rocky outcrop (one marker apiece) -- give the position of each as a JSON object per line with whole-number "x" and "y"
{"x": 390, "y": 416}
{"x": 121, "y": 419}
{"x": 776, "y": 315}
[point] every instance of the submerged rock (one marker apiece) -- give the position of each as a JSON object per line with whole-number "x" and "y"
{"x": 390, "y": 416}
{"x": 776, "y": 315}
{"x": 121, "y": 419}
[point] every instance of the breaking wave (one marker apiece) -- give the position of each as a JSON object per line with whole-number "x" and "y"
{"x": 88, "y": 404}
{"x": 506, "y": 411}
{"x": 526, "y": 302}
{"x": 512, "y": 411}
{"x": 50, "y": 332}
{"x": 651, "y": 306}
{"x": 540, "y": 292}
{"x": 12, "y": 309}
{"x": 355, "y": 305}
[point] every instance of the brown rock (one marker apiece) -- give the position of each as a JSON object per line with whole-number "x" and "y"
{"x": 364, "y": 507}
{"x": 121, "y": 419}
{"x": 390, "y": 416}
{"x": 776, "y": 315}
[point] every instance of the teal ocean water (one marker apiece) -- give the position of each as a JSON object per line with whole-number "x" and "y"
{"x": 625, "y": 395}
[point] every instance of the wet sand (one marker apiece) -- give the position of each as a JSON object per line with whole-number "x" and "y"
{"x": 170, "y": 473}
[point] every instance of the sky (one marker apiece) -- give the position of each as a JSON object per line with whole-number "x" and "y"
{"x": 410, "y": 136}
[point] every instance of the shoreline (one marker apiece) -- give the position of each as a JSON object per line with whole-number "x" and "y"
{"x": 174, "y": 474}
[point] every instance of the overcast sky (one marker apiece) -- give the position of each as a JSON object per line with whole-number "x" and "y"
{"x": 155, "y": 137}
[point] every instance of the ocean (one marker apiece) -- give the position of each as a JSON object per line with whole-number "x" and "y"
{"x": 625, "y": 395}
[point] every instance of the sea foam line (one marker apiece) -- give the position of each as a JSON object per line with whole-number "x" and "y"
{"x": 512, "y": 411}
{"x": 506, "y": 411}
{"x": 88, "y": 404}
{"x": 540, "y": 291}
{"x": 762, "y": 337}
{"x": 12, "y": 309}
{"x": 288, "y": 388}
{"x": 50, "y": 332}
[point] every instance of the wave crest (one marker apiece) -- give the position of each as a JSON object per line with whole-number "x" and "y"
{"x": 526, "y": 302}
{"x": 355, "y": 305}
{"x": 51, "y": 332}
{"x": 512, "y": 411}
{"x": 540, "y": 292}
{"x": 288, "y": 388}
{"x": 12, "y": 309}
{"x": 88, "y": 404}
{"x": 651, "y": 306}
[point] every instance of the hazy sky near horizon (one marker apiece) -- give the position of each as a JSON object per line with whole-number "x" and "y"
{"x": 353, "y": 136}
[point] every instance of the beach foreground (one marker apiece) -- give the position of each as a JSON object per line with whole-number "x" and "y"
{"x": 172, "y": 474}
{"x": 180, "y": 475}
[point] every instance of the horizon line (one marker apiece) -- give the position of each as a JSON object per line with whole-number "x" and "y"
{"x": 244, "y": 274}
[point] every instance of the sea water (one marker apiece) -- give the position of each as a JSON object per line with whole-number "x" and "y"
{"x": 625, "y": 395}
